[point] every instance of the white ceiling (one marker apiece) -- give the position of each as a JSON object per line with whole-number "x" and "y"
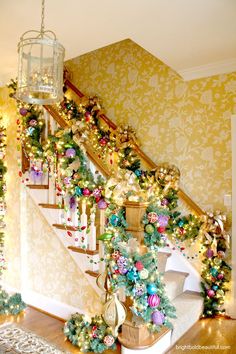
{"x": 189, "y": 35}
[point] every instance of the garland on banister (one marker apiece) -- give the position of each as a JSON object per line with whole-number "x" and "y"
{"x": 126, "y": 268}
{"x": 8, "y": 304}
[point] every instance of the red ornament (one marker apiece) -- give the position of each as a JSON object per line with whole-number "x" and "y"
{"x": 182, "y": 231}
{"x": 213, "y": 279}
{"x": 182, "y": 248}
{"x": 20, "y": 173}
{"x": 161, "y": 229}
{"x": 139, "y": 265}
{"x": 86, "y": 192}
{"x": 69, "y": 233}
{"x": 83, "y": 227}
{"x": 117, "y": 271}
{"x": 103, "y": 142}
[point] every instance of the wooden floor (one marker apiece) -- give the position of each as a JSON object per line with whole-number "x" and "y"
{"x": 207, "y": 332}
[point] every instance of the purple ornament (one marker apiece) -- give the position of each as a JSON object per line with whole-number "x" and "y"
{"x": 67, "y": 180}
{"x": 164, "y": 202}
{"x": 122, "y": 262}
{"x": 23, "y": 111}
{"x": 209, "y": 253}
{"x": 153, "y": 300}
{"x": 70, "y": 153}
{"x": 210, "y": 293}
{"x": 158, "y": 318}
{"x": 102, "y": 204}
{"x": 33, "y": 122}
{"x": 163, "y": 220}
{"x": 72, "y": 203}
{"x": 123, "y": 270}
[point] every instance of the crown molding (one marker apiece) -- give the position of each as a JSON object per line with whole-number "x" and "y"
{"x": 216, "y": 68}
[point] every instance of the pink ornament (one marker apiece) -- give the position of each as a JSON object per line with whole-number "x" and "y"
{"x": 70, "y": 153}
{"x": 158, "y": 318}
{"x": 86, "y": 192}
{"x": 153, "y": 300}
{"x": 152, "y": 217}
{"x": 210, "y": 293}
{"x": 97, "y": 193}
{"x": 103, "y": 142}
{"x": 220, "y": 276}
{"x": 102, "y": 204}
{"x": 33, "y": 122}
{"x": 139, "y": 265}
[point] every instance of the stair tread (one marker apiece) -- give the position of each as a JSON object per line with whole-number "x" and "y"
{"x": 37, "y": 186}
{"x": 167, "y": 254}
{"x": 171, "y": 274}
{"x": 174, "y": 283}
{"x": 92, "y": 273}
{"x": 66, "y": 227}
{"x": 82, "y": 250}
{"x": 50, "y": 206}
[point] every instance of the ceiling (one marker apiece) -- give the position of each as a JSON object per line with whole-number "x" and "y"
{"x": 195, "y": 37}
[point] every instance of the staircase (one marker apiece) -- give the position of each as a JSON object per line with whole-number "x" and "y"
{"x": 181, "y": 279}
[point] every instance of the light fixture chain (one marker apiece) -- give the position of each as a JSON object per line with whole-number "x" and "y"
{"x": 42, "y": 17}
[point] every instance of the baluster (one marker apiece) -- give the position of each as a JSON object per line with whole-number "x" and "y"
{"x": 51, "y": 185}
{"x": 46, "y": 119}
{"x": 67, "y": 211}
{"x": 53, "y": 125}
{"x": 84, "y": 224}
{"x": 101, "y": 245}
{"x": 74, "y": 214}
{"x": 92, "y": 233}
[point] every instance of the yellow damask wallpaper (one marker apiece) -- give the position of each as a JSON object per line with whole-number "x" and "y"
{"x": 185, "y": 123}
{"x": 51, "y": 270}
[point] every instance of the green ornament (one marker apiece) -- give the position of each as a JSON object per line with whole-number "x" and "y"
{"x": 217, "y": 261}
{"x": 105, "y": 237}
{"x": 220, "y": 292}
{"x": 149, "y": 229}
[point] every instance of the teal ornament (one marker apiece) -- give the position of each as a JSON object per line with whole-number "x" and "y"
{"x": 151, "y": 289}
{"x": 105, "y": 237}
{"x": 214, "y": 272}
{"x": 78, "y": 191}
{"x": 133, "y": 275}
{"x": 181, "y": 223}
{"x": 215, "y": 287}
{"x": 114, "y": 220}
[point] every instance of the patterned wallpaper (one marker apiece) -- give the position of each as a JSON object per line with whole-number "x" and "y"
{"x": 59, "y": 277}
{"x": 185, "y": 123}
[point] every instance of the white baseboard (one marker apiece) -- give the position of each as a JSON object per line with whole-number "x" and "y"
{"x": 47, "y": 304}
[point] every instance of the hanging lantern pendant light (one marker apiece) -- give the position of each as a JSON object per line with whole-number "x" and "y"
{"x": 40, "y": 66}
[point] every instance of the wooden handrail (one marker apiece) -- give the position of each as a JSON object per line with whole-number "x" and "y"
{"x": 150, "y": 164}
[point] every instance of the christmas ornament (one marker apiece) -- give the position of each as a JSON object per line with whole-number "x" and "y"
{"x": 214, "y": 272}
{"x": 149, "y": 229}
{"x": 220, "y": 293}
{"x": 210, "y": 293}
{"x": 217, "y": 261}
{"x": 102, "y": 204}
{"x": 209, "y": 253}
{"x": 181, "y": 223}
{"x": 161, "y": 229}
{"x": 139, "y": 266}
{"x": 70, "y": 153}
{"x": 163, "y": 220}
{"x": 105, "y": 237}
{"x": 151, "y": 289}
{"x": 109, "y": 340}
{"x": 122, "y": 261}
{"x": 158, "y": 318}
{"x": 133, "y": 275}
{"x": 97, "y": 193}
{"x": 86, "y": 192}
{"x": 114, "y": 220}
{"x": 152, "y": 217}
{"x": 143, "y": 274}
{"x": 164, "y": 202}
{"x": 123, "y": 270}
{"x": 220, "y": 276}
{"x": 78, "y": 191}
{"x": 33, "y": 122}
{"x": 215, "y": 287}
{"x": 116, "y": 255}
{"x": 221, "y": 254}
{"x": 23, "y": 111}
{"x": 153, "y": 300}
{"x": 139, "y": 289}
{"x": 114, "y": 314}
{"x": 103, "y": 142}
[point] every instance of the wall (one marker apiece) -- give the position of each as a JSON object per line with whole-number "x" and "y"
{"x": 185, "y": 123}
{"x": 51, "y": 270}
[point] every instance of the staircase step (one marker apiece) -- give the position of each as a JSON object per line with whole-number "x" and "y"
{"x": 50, "y": 206}
{"x": 174, "y": 283}
{"x": 37, "y": 186}
{"x": 82, "y": 250}
{"x": 189, "y": 306}
{"x": 92, "y": 273}
{"x": 65, "y": 227}
{"x": 162, "y": 259}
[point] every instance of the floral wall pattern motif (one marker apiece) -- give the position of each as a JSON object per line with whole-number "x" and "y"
{"x": 185, "y": 123}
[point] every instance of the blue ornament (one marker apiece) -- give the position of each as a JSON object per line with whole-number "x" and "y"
{"x": 78, "y": 191}
{"x": 181, "y": 223}
{"x": 31, "y": 130}
{"x": 138, "y": 173}
{"x": 215, "y": 287}
{"x": 132, "y": 275}
{"x": 114, "y": 219}
{"x": 151, "y": 289}
{"x": 214, "y": 272}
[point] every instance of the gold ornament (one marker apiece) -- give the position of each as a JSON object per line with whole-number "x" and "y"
{"x": 114, "y": 314}
{"x": 167, "y": 176}
{"x": 125, "y": 137}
